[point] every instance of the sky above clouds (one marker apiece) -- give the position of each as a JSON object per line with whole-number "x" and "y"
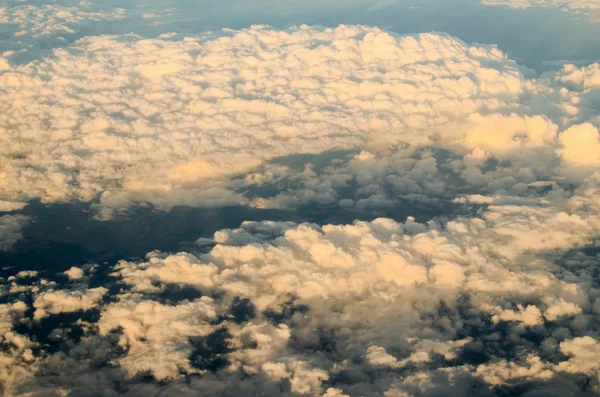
{"x": 565, "y": 5}
{"x": 372, "y": 198}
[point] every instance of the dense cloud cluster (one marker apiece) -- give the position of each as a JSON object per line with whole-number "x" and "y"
{"x": 52, "y": 19}
{"x": 372, "y": 308}
{"x": 124, "y": 120}
{"x": 497, "y": 293}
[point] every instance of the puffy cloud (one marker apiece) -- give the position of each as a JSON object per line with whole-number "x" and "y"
{"x": 53, "y": 19}
{"x": 24, "y": 274}
{"x": 74, "y": 273}
{"x": 378, "y": 356}
{"x": 169, "y": 122}
{"x": 16, "y": 358}
{"x": 582, "y": 358}
{"x": 581, "y": 145}
{"x": 582, "y": 88}
{"x": 585, "y": 78}
{"x": 155, "y": 335}
{"x": 528, "y": 316}
{"x": 583, "y": 353}
{"x": 54, "y": 302}
{"x": 342, "y": 273}
{"x": 495, "y": 295}
{"x": 404, "y": 305}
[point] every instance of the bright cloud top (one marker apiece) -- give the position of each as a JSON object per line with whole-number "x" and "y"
{"x": 53, "y": 19}
{"x": 406, "y": 303}
{"x": 496, "y": 298}
{"x": 125, "y": 120}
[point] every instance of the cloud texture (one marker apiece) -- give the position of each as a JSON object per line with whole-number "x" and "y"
{"x": 497, "y": 294}
{"x": 125, "y": 120}
{"x": 52, "y": 19}
{"x": 419, "y": 307}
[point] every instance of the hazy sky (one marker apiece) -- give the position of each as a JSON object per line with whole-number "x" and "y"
{"x": 540, "y": 36}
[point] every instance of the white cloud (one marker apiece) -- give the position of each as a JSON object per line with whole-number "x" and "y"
{"x": 581, "y": 145}
{"x": 64, "y": 301}
{"x": 16, "y": 358}
{"x": 53, "y": 19}
{"x": 584, "y": 356}
{"x": 155, "y": 335}
{"x": 387, "y": 293}
{"x": 375, "y": 272}
{"x": 169, "y": 122}
{"x": 374, "y": 308}
{"x": 528, "y": 316}
{"x": 74, "y": 273}
{"x": 26, "y": 274}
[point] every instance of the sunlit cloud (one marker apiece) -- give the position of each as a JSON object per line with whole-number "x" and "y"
{"x": 423, "y": 213}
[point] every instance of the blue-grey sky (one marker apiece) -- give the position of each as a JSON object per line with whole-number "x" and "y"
{"x": 540, "y": 38}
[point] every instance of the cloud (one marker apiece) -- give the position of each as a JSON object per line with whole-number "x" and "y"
{"x": 55, "y": 302}
{"x": 8, "y": 206}
{"x": 17, "y": 357}
{"x": 498, "y": 292}
{"x": 342, "y": 273}
{"x": 147, "y": 324}
{"x": 74, "y": 273}
{"x": 406, "y": 303}
{"x": 53, "y": 19}
{"x": 171, "y": 122}
{"x": 590, "y": 9}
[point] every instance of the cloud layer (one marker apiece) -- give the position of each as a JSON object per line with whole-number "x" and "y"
{"x": 124, "y": 120}
{"x": 53, "y": 19}
{"x": 497, "y": 293}
{"x": 501, "y": 299}
{"x": 589, "y": 8}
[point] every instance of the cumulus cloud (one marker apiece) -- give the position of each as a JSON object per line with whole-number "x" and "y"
{"x": 54, "y": 302}
{"x": 169, "y": 122}
{"x": 74, "y": 273}
{"x": 11, "y": 230}
{"x": 9, "y": 206}
{"x": 574, "y": 8}
{"x": 385, "y": 293}
{"x": 17, "y": 357}
{"x": 384, "y": 307}
{"x": 501, "y": 294}
{"x": 156, "y": 335}
{"x": 53, "y": 19}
